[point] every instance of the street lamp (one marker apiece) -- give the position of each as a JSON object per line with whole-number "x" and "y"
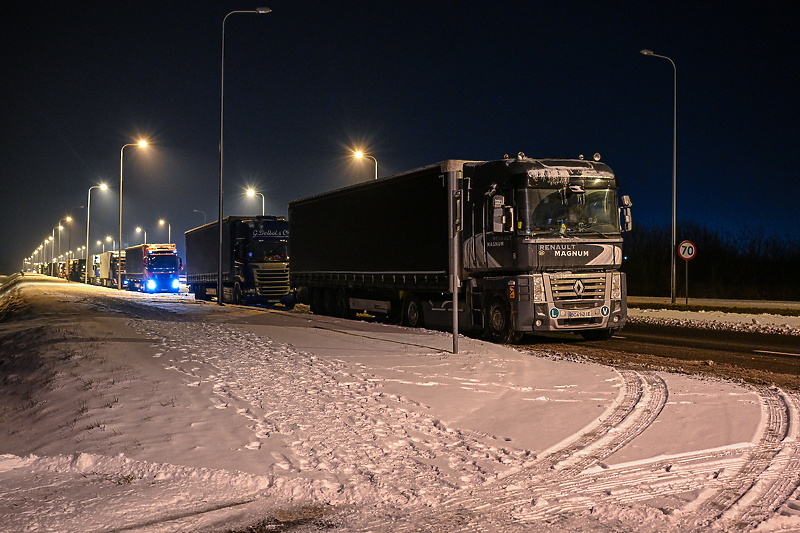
{"x": 102, "y": 187}
{"x": 60, "y": 227}
{"x": 221, "y": 141}
{"x": 140, "y": 230}
{"x": 140, "y": 144}
{"x": 202, "y": 213}
{"x": 674, "y": 243}
{"x": 53, "y": 239}
{"x": 358, "y": 154}
{"x": 169, "y": 229}
{"x": 251, "y": 193}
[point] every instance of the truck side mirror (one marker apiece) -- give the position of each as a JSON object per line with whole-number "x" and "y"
{"x": 625, "y": 213}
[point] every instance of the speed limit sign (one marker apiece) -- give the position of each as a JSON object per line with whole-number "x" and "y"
{"x": 687, "y": 250}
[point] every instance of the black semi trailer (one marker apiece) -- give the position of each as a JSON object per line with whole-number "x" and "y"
{"x": 255, "y": 260}
{"x": 530, "y": 244}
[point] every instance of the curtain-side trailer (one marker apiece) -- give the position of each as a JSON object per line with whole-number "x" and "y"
{"x": 255, "y": 260}
{"x": 538, "y": 247}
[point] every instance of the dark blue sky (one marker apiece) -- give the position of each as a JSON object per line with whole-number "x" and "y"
{"x": 411, "y": 82}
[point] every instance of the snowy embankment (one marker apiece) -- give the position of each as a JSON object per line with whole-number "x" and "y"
{"x": 718, "y": 320}
{"x": 158, "y": 413}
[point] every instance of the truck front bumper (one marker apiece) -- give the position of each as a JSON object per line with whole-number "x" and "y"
{"x": 571, "y": 301}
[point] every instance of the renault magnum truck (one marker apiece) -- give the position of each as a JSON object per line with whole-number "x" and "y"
{"x": 527, "y": 245}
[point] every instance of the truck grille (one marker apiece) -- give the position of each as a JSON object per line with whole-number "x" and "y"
{"x": 578, "y": 289}
{"x": 272, "y": 282}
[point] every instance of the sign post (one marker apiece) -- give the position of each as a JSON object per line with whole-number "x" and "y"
{"x": 687, "y": 250}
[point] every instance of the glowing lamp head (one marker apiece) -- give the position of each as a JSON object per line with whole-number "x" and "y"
{"x": 142, "y": 144}
{"x": 358, "y": 154}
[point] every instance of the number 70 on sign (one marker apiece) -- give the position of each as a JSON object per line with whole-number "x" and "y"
{"x": 687, "y": 250}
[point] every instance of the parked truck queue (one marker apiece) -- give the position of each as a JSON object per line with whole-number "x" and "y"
{"x": 497, "y": 248}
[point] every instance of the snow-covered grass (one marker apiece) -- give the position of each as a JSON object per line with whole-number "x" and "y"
{"x": 158, "y": 413}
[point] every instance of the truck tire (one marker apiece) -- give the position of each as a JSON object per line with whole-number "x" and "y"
{"x": 412, "y": 316}
{"x": 597, "y": 334}
{"x": 238, "y": 296}
{"x": 499, "y": 323}
{"x": 329, "y": 302}
{"x": 342, "y": 305}
{"x": 315, "y": 301}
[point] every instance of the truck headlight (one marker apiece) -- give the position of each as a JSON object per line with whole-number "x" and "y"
{"x": 176, "y": 284}
{"x": 616, "y": 286}
{"x": 538, "y": 289}
{"x": 151, "y": 285}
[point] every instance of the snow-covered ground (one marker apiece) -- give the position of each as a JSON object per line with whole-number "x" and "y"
{"x": 128, "y": 412}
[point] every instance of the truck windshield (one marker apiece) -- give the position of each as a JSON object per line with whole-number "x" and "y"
{"x": 163, "y": 263}
{"x": 266, "y": 252}
{"x": 567, "y": 211}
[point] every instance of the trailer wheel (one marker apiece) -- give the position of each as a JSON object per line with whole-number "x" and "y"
{"x": 499, "y": 324}
{"x": 315, "y": 301}
{"x": 412, "y": 313}
{"x": 329, "y": 302}
{"x": 342, "y": 305}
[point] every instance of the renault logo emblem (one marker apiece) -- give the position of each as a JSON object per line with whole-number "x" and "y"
{"x": 578, "y": 287}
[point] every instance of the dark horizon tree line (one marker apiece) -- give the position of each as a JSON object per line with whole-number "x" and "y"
{"x": 748, "y": 264}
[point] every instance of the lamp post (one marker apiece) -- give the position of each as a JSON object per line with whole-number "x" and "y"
{"x": 221, "y": 141}
{"x": 251, "y": 193}
{"x": 140, "y": 144}
{"x": 60, "y": 227}
{"x": 674, "y": 243}
{"x": 358, "y": 154}
{"x": 102, "y": 187}
{"x": 169, "y": 229}
{"x": 53, "y": 239}
{"x": 140, "y": 230}
{"x": 202, "y": 213}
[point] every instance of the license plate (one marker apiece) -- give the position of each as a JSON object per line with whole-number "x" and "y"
{"x": 579, "y": 314}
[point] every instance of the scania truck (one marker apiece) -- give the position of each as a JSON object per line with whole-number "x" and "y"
{"x": 527, "y": 245}
{"x": 255, "y": 260}
{"x": 152, "y": 268}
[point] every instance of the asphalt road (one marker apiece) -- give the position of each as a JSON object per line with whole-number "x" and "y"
{"x": 748, "y": 356}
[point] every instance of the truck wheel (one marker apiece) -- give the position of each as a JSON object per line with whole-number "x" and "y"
{"x": 315, "y": 301}
{"x": 597, "y": 334}
{"x": 343, "y": 305}
{"x": 238, "y": 297}
{"x": 329, "y": 302}
{"x": 412, "y": 313}
{"x": 499, "y": 322}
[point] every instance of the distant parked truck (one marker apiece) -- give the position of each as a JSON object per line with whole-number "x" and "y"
{"x": 255, "y": 260}
{"x": 152, "y": 268}
{"x": 528, "y": 245}
{"x": 75, "y": 269}
{"x": 109, "y": 264}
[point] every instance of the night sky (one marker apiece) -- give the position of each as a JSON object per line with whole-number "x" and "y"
{"x": 412, "y": 83}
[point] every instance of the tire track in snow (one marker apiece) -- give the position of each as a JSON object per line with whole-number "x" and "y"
{"x": 772, "y": 474}
{"x": 642, "y": 399}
